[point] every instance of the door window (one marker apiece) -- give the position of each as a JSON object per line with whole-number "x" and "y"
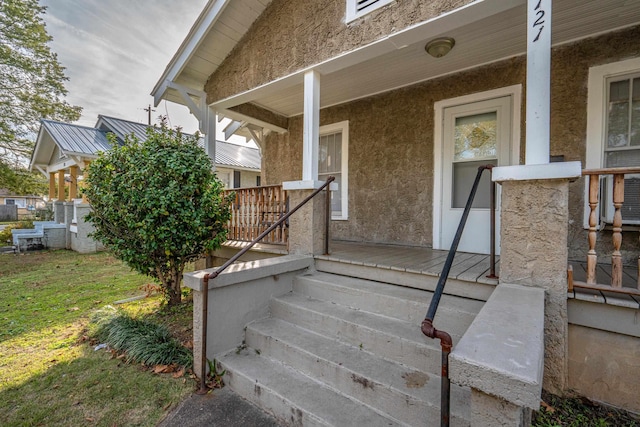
{"x": 475, "y": 144}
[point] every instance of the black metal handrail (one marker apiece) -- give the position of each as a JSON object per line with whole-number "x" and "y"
{"x": 209, "y": 276}
{"x": 427, "y": 324}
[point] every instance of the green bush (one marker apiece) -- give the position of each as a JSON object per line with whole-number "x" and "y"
{"x": 157, "y": 205}
{"x": 140, "y": 341}
{"x": 6, "y": 236}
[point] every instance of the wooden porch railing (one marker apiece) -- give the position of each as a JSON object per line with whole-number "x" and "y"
{"x": 254, "y": 210}
{"x": 616, "y": 256}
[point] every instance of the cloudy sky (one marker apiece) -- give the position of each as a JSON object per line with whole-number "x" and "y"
{"x": 115, "y": 51}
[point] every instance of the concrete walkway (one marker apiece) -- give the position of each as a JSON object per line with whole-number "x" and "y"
{"x": 221, "y": 408}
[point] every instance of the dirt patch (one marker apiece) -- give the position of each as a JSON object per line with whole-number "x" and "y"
{"x": 415, "y": 379}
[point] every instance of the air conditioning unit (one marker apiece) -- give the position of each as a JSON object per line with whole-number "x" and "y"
{"x": 630, "y": 208}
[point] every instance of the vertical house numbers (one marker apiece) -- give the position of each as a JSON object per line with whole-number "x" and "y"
{"x": 538, "y": 25}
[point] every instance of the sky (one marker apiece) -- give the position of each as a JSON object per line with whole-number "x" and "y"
{"x": 115, "y": 51}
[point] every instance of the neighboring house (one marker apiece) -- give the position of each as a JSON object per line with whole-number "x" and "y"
{"x": 402, "y": 101}
{"x": 236, "y": 165}
{"x": 26, "y": 204}
{"x": 15, "y": 207}
{"x": 63, "y": 151}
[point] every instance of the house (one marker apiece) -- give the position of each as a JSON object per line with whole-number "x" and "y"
{"x": 26, "y": 204}
{"x": 64, "y": 150}
{"x": 236, "y": 165}
{"x": 402, "y": 101}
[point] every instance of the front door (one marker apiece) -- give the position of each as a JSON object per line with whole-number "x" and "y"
{"x": 473, "y": 134}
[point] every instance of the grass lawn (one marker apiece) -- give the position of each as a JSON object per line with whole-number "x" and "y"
{"x": 49, "y": 374}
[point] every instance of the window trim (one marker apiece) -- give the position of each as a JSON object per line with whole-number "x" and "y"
{"x": 353, "y": 13}
{"x": 597, "y": 90}
{"x": 342, "y": 127}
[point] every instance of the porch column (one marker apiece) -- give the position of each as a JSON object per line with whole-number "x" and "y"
{"x": 210, "y": 133}
{"x": 61, "y": 186}
{"x": 534, "y": 219}
{"x": 85, "y": 174}
{"x": 307, "y": 225}
{"x": 68, "y": 220}
{"x": 73, "y": 185}
{"x": 52, "y": 186}
{"x": 538, "y": 81}
{"x": 311, "y": 126}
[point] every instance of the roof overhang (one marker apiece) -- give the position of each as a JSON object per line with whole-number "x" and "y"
{"x": 219, "y": 27}
{"x": 486, "y": 31}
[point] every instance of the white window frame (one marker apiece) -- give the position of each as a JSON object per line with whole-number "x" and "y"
{"x": 353, "y": 13}
{"x": 439, "y": 107}
{"x": 342, "y": 127}
{"x": 20, "y": 203}
{"x": 597, "y": 115}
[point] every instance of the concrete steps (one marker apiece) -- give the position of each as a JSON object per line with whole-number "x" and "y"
{"x": 344, "y": 351}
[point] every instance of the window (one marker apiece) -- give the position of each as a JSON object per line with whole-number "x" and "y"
{"x": 258, "y": 181}
{"x": 236, "y": 179}
{"x": 613, "y": 132}
{"x": 225, "y": 177}
{"x": 358, "y": 8}
{"x": 21, "y": 203}
{"x": 333, "y": 160}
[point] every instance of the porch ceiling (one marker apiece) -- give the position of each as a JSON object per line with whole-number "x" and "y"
{"x": 485, "y": 31}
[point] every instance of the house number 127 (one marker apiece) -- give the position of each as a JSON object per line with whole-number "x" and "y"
{"x": 539, "y": 22}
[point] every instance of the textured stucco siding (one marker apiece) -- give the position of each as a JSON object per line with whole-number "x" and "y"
{"x": 608, "y": 376}
{"x": 391, "y": 151}
{"x": 391, "y": 144}
{"x": 391, "y": 135}
{"x": 292, "y": 35}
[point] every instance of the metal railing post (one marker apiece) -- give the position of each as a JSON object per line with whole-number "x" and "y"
{"x": 327, "y": 220}
{"x": 210, "y": 276}
{"x": 427, "y": 327}
{"x": 492, "y": 252}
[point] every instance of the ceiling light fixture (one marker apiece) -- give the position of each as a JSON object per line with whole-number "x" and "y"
{"x": 440, "y": 47}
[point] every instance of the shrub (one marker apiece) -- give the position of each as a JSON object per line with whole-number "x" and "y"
{"x": 140, "y": 341}
{"x": 6, "y": 236}
{"x": 158, "y": 205}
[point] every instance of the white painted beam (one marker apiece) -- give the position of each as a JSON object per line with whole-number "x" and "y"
{"x": 257, "y": 137}
{"x": 42, "y": 170}
{"x": 187, "y": 95}
{"x": 311, "y": 126}
{"x": 233, "y": 115}
{"x": 538, "y": 81}
{"x": 232, "y": 128}
{"x": 210, "y": 134}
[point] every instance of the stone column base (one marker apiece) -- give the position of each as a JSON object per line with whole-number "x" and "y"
{"x": 534, "y": 229}
{"x": 490, "y": 411}
{"x": 307, "y": 225}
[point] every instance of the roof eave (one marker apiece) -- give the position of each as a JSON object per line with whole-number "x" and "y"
{"x": 37, "y": 146}
{"x": 197, "y": 33}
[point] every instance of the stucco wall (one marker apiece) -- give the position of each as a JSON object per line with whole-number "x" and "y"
{"x": 291, "y": 35}
{"x": 391, "y": 144}
{"x": 607, "y": 376}
{"x": 390, "y": 155}
{"x": 570, "y": 70}
{"x": 391, "y": 135}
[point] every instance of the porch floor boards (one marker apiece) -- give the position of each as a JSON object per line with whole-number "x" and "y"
{"x": 466, "y": 266}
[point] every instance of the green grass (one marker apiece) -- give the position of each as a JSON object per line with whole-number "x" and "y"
{"x": 49, "y": 375}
